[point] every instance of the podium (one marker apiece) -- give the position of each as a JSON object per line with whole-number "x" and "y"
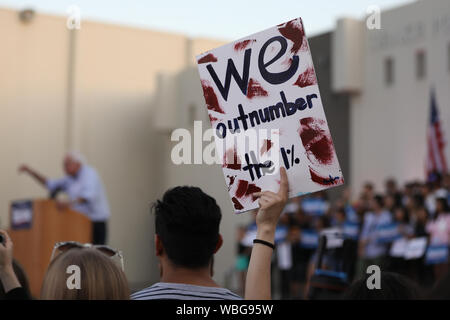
{"x": 33, "y": 244}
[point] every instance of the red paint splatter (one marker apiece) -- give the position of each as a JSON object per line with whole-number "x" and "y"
{"x": 317, "y": 178}
{"x": 208, "y": 58}
{"x": 212, "y": 118}
{"x": 293, "y": 30}
{"x": 254, "y": 89}
{"x": 287, "y": 62}
{"x": 317, "y": 140}
{"x": 252, "y": 188}
{"x": 266, "y": 146}
{"x": 232, "y": 178}
{"x": 324, "y": 181}
{"x": 243, "y": 44}
{"x": 246, "y": 189}
{"x": 231, "y": 159}
{"x": 237, "y": 204}
{"x": 307, "y": 78}
{"x": 210, "y": 97}
{"x": 241, "y": 189}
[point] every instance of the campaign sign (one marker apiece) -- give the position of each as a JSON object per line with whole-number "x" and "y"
{"x": 309, "y": 239}
{"x": 351, "y": 230}
{"x": 21, "y": 214}
{"x": 436, "y": 254}
{"x": 264, "y": 103}
{"x": 387, "y": 233}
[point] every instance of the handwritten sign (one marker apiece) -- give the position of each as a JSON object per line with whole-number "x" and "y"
{"x": 264, "y": 103}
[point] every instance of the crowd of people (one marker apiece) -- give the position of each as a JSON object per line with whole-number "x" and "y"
{"x": 322, "y": 248}
{"x": 405, "y": 230}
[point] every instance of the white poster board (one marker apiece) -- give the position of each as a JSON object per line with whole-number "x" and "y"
{"x": 263, "y": 99}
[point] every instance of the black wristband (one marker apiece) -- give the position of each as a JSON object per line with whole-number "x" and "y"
{"x": 266, "y": 243}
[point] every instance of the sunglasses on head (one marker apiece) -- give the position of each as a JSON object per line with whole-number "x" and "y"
{"x": 61, "y": 247}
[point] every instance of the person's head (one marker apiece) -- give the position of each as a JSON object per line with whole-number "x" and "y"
{"x": 408, "y": 189}
{"x": 322, "y": 222}
{"x": 391, "y": 186}
{"x": 294, "y": 233}
{"x": 418, "y": 200}
{"x": 442, "y": 206}
{"x": 346, "y": 195}
{"x": 368, "y": 189}
{"x": 100, "y": 277}
{"x": 393, "y": 286}
{"x": 446, "y": 181}
{"x": 389, "y": 201}
{"x": 72, "y": 163}
{"x": 187, "y": 228}
{"x": 421, "y": 214}
{"x": 377, "y": 203}
{"x": 300, "y": 217}
{"x": 401, "y": 215}
{"x": 340, "y": 216}
{"x": 427, "y": 188}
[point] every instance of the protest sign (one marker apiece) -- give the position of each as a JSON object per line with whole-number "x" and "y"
{"x": 263, "y": 99}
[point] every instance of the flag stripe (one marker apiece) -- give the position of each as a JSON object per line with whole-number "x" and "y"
{"x": 435, "y": 160}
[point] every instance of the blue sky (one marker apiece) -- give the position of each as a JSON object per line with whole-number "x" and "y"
{"x": 228, "y": 20}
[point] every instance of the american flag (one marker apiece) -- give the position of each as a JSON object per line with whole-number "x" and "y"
{"x": 435, "y": 160}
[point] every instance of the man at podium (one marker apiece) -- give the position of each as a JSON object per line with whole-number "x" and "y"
{"x": 85, "y": 191}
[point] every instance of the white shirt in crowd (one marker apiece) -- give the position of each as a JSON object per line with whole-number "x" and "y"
{"x": 86, "y": 185}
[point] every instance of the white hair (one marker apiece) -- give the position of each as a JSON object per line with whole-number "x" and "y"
{"x": 76, "y": 156}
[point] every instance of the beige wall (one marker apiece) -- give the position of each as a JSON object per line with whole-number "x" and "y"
{"x": 33, "y": 64}
{"x": 114, "y": 81}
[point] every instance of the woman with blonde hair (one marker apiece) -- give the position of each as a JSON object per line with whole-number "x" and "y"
{"x": 77, "y": 271}
{"x": 100, "y": 277}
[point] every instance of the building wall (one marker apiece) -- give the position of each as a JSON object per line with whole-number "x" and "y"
{"x": 389, "y": 122}
{"x": 336, "y": 105}
{"x": 100, "y": 103}
{"x": 33, "y": 86}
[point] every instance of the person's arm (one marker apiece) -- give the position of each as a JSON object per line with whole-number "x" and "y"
{"x": 257, "y": 286}
{"x": 7, "y": 275}
{"x": 36, "y": 175}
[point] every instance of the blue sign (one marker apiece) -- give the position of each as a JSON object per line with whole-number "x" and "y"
{"x": 387, "y": 233}
{"x": 351, "y": 230}
{"x": 280, "y": 234}
{"x": 436, "y": 253}
{"x": 21, "y": 214}
{"x": 309, "y": 239}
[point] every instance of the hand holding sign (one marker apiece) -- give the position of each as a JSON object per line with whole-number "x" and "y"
{"x": 271, "y": 205}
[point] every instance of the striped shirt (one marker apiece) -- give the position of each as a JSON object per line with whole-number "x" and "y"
{"x": 181, "y": 291}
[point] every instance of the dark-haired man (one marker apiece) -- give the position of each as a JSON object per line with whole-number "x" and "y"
{"x": 187, "y": 236}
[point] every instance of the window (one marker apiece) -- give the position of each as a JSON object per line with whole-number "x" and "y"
{"x": 420, "y": 64}
{"x": 389, "y": 70}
